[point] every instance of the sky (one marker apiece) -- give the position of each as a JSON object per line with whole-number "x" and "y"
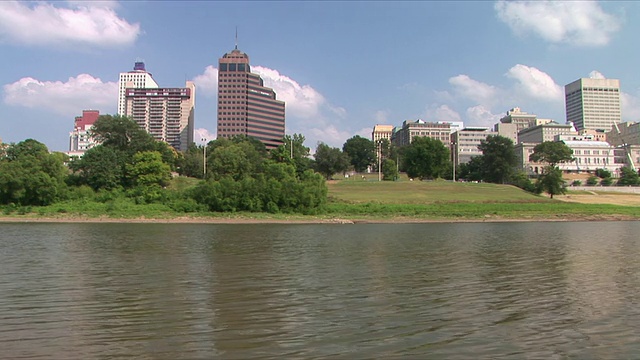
{"x": 341, "y": 67}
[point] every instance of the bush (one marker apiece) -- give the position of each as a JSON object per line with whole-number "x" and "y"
{"x": 576, "y": 183}
{"x": 606, "y": 181}
{"x": 592, "y": 180}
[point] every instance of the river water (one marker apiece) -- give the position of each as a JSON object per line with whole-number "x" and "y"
{"x": 186, "y": 291}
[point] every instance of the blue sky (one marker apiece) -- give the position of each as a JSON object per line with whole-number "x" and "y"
{"x": 341, "y": 67}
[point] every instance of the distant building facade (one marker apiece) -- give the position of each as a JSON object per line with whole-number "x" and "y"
{"x": 593, "y": 103}
{"x": 165, "y": 113}
{"x": 138, "y": 78}
{"x": 80, "y": 139}
{"x": 508, "y": 130}
{"x": 381, "y": 132}
{"x": 465, "y": 142}
{"x": 625, "y": 133}
{"x": 245, "y": 105}
{"x": 521, "y": 119}
{"x": 410, "y": 129}
{"x": 545, "y": 132}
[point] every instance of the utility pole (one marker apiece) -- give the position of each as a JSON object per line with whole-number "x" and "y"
{"x": 204, "y": 159}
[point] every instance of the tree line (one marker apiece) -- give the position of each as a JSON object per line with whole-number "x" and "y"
{"x": 240, "y": 174}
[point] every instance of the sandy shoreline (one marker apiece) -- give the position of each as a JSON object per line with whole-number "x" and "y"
{"x": 310, "y": 220}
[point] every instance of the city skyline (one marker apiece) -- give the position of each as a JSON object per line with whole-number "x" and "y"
{"x": 340, "y": 67}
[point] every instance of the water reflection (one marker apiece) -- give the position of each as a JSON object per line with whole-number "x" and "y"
{"x": 495, "y": 290}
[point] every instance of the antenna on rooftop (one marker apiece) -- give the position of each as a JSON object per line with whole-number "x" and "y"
{"x": 236, "y": 37}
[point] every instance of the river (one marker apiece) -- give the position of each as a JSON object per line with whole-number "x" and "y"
{"x": 545, "y": 290}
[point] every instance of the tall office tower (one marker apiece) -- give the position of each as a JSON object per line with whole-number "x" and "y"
{"x": 593, "y": 103}
{"x": 165, "y": 113}
{"x": 80, "y": 139}
{"x": 138, "y": 78}
{"x": 245, "y": 105}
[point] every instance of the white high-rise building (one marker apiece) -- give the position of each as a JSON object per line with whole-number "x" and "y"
{"x": 139, "y": 78}
{"x": 593, "y": 103}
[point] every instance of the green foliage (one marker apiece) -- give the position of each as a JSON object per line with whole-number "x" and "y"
{"x": 330, "y": 160}
{"x": 521, "y": 180}
{"x": 628, "y": 177}
{"x": 191, "y": 162}
{"x": 606, "y": 181}
{"x": 603, "y": 173}
{"x": 148, "y": 169}
{"x": 389, "y": 170}
{"x": 498, "y": 161}
{"x": 29, "y": 175}
{"x": 551, "y": 181}
{"x": 576, "y": 183}
{"x": 472, "y": 170}
{"x": 361, "y": 152}
{"x": 552, "y": 153}
{"x": 592, "y": 180}
{"x": 122, "y": 133}
{"x": 237, "y": 160}
{"x": 425, "y": 158}
{"x": 101, "y": 167}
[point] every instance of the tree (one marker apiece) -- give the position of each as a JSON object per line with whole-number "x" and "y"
{"x": 330, "y": 160}
{"x": 552, "y": 153}
{"x": 498, "y": 159}
{"x": 472, "y": 170}
{"x": 101, "y": 167}
{"x": 389, "y": 170}
{"x": 30, "y": 175}
{"x": 628, "y": 177}
{"x": 361, "y": 152}
{"x": 425, "y": 158}
{"x": 121, "y": 133}
{"x": 603, "y": 173}
{"x": 551, "y": 181}
{"x": 293, "y": 151}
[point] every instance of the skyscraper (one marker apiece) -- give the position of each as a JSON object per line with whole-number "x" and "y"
{"x": 138, "y": 78}
{"x": 165, "y": 113}
{"x": 593, "y": 103}
{"x": 245, "y": 105}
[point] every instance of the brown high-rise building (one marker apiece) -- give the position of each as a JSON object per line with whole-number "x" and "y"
{"x": 245, "y": 105}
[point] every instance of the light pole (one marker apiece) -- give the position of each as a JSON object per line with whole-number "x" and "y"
{"x": 454, "y": 152}
{"x": 204, "y": 159}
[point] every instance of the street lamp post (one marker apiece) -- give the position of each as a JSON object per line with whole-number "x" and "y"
{"x": 204, "y": 159}
{"x": 454, "y": 153}
{"x": 379, "y": 143}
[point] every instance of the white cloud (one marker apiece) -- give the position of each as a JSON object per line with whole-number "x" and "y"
{"x": 536, "y": 83}
{"x": 301, "y": 100}
{"x": 66, "y": 98}
{"x": 207, "y": 83}
{"x": 442, "y": 113}
{"x": 472, "y": 89}
{"x": 596, "y": 75}
{"x": 381, "y": 116}
{"x": 582, "y": 23}
{"x": 202, "y": 136}
{"x": 85, "y": 23}
{"x": 630, "y": 107}
{"x": 481, "y": 116}
{"x": 365, "y": 132}
{"x": 329, "y": 135}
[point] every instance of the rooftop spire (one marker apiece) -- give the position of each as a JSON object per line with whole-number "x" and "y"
{"x": 236, "y": 38}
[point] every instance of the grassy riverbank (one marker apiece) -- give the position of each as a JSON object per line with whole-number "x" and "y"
{"x": 360, "y": 201}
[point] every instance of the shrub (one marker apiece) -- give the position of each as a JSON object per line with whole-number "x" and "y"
{"x": 606, "y": 181}
{"x": 576, "y": 183}
{"x": 592, "y": 181}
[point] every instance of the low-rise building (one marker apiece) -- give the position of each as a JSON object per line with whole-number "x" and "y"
{"x": 545, "y": 132}
{"x": 381, "y": 132}
{"x": 521, "y": 119}
{"x": 625, "y": 133}
{"x": 465, "y": 142}
{"x": 80, "y": 139}
{"x": 411, "y": 129}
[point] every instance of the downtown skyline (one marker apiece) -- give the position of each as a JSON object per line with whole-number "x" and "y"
{"x": 340, "y": 67}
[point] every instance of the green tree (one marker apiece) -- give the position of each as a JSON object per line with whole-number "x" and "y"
{"x": 498, "y": 159}
{"x": 472, "y": 170}
{"x": 237, "y": 159}
{"x": 330, "y": 160}
{"x": 552, "y": 153}
{"x": 191, "y": 163}
{"x": 603, "y": 173}
{"x": 147, "y": 169}
{"x": 628, "y": 177}
{"x": 425, "y": 158}
{"x": 30, "y": 175}
{"x": 361, "y": 152}
{"x": 294, "y": 152}
{"x": 551, "y": 181}
{"x": 592, "y": 180}
{"x": 101, "y": 167}
{"x": 389, "y": 170}
{"x": 121, "y": 133}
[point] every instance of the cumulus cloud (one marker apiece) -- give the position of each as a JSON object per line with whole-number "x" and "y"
{"x": 630, "y": 107}
{"x": 442, "y": 113}
{"x": 329, "y": 135}
{"x": 381, "y": 116}
{"x": 596, "y": 75}
{"x": 481, "y": 116}
{"x": 582, "y": 23}
{"x": 88, "y": 23}
{"x": 536, "y": 83}
{"x": 472, "y": 89}
{"x": 207, "y": 83}
{"x": 65, "y": 98}
{"x": 202, "y": 136}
